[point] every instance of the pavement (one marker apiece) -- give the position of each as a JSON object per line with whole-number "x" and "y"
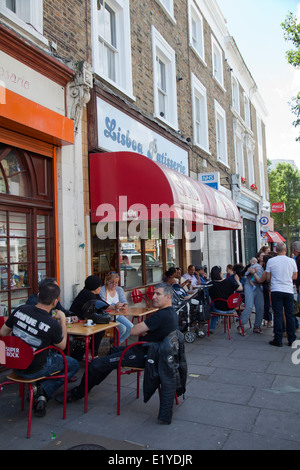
{"x": 242, "y": 394}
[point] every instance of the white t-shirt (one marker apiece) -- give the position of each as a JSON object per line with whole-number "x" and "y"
{"x": 112, "y": 300}
{"x": 281, "y": 268}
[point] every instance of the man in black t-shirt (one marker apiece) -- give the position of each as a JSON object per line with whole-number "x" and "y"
{"x": 35, "y": 325}
{"x": 154, "y": 329}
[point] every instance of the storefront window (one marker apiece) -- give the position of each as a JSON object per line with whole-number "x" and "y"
{"x": 141, "y": 261}
{"x": 104, "y": 255}
{"x": 26, "y": 232}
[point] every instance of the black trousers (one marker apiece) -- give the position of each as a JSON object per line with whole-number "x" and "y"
{"x": 101, "y": 367}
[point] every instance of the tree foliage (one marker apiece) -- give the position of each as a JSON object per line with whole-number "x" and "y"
{"x": 284, "y": 186}
{"x": 291, "y": 29}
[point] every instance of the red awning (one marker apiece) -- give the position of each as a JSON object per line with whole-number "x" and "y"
{"x": 273, "y": 237}
{"x": 130, "y": 186}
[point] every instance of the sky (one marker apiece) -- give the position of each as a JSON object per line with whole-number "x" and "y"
{"x": 256, "y": 28}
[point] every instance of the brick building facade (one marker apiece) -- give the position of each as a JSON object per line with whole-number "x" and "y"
{"x": 167, "y": 68}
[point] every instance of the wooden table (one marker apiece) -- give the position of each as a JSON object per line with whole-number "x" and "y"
{"x": 136, "y": 312}
{"x": 78, "y": 329}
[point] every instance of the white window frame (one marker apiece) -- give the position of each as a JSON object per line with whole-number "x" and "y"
{"x": 239, "y": 156}
{"x": 221, "y": 134}
{"x": 251, "y": 174}
{"x": 200, "y": 118}
{"x": 162, "y": 50}
{"x": 261, "y": 158}
{"x": 28, "y": 17}
{"x": 168, "y": 7}
{"x": 217, "y": 62}
{"x": 196, "y": 40}
{"x": 235, "y": 94}
{"x": 122, "y": 50}
{"x": 247, "y": 119}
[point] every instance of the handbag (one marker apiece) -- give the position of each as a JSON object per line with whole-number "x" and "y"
{"x": 95, "y": 310}
{"x": 203, "y": 312}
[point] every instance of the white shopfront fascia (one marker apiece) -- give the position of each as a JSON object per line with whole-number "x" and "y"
{"x": 117, "y": 132}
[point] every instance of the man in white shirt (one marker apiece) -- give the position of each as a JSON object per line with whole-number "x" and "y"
{"x": 281, "y": 271}
{"x": 190, "y": 275}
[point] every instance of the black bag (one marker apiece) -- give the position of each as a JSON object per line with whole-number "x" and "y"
{"x": 95, "y": 310}
{"x": 203, "y": 312}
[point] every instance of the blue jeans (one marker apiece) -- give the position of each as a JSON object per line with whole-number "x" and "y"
{"x": 253, "y": 297}
{"x": 124, "y": 328}
{"x": 280, "y": 301}
{"x": 53, "y": 363}
{"x": 213, "y": 320}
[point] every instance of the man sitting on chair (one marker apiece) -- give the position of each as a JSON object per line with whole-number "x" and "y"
{"x": 154, "y": 329}
{"x": 35, "y": 325}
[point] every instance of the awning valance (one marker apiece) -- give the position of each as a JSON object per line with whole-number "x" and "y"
{"x": 273, "y": 237}
{"x": 129, "y": 186}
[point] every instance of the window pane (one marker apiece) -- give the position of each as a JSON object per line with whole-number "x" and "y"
{"x": 15, "y": 174}
{"x": 41, "y": 226}
{"x": 3, "y": 277}
{"x": 4, "y": 304}
{"x": 18, "y": 250}
{"x": 18, "y": 297}
{"x": 11, "y": 4}
{"x": 3, "y": 188}
{"x": 17, "y": 227}
{"x": 111, "y": 64}
{"x": 154, "y": 264}
{"x": 3, "y": 250}
{"x": 18, "y": 275}
{"x": 131, "y": 262}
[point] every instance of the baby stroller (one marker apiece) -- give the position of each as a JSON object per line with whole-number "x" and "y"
{"x": 192, "y": 310}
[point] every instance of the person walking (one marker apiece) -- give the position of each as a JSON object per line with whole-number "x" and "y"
{"x": 281, "y": 271}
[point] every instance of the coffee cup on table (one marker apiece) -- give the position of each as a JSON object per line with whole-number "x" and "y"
{"x": 89, "y": 322}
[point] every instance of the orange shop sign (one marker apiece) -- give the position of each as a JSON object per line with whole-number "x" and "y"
{"x": 278, "y": 207}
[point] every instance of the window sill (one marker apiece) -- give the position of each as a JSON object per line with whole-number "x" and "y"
{"x": 173, "y": 126}
{"x": 223, "y": 163}
{"x": 26, "y": 30}
{"x": 219, "y": 83}
{"x": 128, "y": 94}
{"x": 198, "y": 55}
{"x": 204, "y": 149}
{"x": 169, "y": 15}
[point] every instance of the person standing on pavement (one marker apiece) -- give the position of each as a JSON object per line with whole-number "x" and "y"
{"x": 281, "y": 271}
{"x": 296, "y": 251}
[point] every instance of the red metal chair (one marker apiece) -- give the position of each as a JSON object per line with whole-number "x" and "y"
{"x": 138, "y": 296}
{"x": 16, "y": 354}
{"x": 233, "y": 302}
{"x": 150, "y": 292}
{"x": 122, "y": 370}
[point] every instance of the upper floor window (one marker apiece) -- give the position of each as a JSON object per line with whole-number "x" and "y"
{"x": 221, "y": 137}
{"x": 111, "y": 42}
{"x": 27, "y": 14}
{"x": 235, "y": 95}
{"x": 217, "y": 62}
{"x": 200, "y": 119}
{"x": 196, "y": 30}
{"x": 164, "y": 70}
{"x": 247, "y": 111}
{"x": 168, "y": 6}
